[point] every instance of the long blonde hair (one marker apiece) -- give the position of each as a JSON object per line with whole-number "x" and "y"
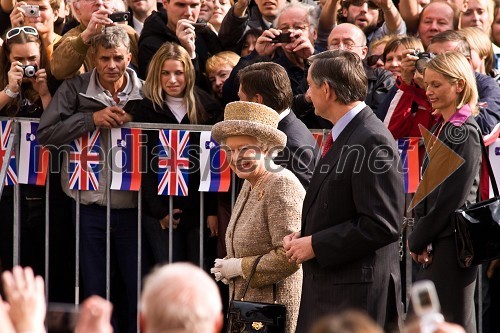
{"x": 454, "y": 66}
{"x": 152, "y": 87}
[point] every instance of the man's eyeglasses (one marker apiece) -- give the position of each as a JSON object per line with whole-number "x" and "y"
{"x": 343, "y": 46}
{"x": 286, "y": 29}
{"x": 359, "y": 3}
{"x": 16, "y": 31}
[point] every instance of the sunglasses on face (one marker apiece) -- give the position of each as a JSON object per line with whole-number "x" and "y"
{"x": 373, "y": 59}
{"x": 16, "y": 31}
{"x": 359, "y": 3}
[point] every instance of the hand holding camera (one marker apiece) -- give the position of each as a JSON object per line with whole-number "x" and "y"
{"x": 21, "y": 11}
{"x": 119, "y": 16}
{"x": 186, "y": 33}
{"x": 98, "y": 21}
{"x": 270, "y": 40}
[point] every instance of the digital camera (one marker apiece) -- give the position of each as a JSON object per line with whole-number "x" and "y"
{"x": 284, "y": 37}
{"x": 31, "y": 10}
{"x": 423, "y": 59}
{"x": 29, "y": 70}
{"x": 119, "y": 16}
{"x": 426, "y": 304}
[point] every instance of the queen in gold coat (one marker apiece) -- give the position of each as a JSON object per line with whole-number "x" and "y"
{"x": 268, "y": 208}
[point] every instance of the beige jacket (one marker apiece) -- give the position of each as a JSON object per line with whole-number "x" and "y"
{"x": 71, "y": 55}
{"x": 261, "y": 217}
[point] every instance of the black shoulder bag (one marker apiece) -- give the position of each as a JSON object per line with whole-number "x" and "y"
{"x": 256, "y": 317}
{"x": 477, "y": 226}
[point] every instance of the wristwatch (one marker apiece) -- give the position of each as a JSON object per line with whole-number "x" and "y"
{"x": 9, "y": 92}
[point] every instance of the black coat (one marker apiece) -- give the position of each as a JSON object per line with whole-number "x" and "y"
{"x": 301, "y": 151}
{"x": 354, "y": 215}
{"x": 157, "y": 206}
{"x": 434, "y": 225}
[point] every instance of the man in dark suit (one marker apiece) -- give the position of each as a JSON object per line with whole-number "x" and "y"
{"x": 354, "y": 204}
{"x": 268, "y": 83}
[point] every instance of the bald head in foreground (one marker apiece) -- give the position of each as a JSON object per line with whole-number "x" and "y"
{"x": 180, "y": 297}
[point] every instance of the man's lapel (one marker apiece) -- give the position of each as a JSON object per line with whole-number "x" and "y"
{"x": 328, "y": 163}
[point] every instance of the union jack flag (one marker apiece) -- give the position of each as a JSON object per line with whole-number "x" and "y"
{"x": 5, "y": 130}
{"x": 173, "y": 162}
{"x": 84, "y": 162}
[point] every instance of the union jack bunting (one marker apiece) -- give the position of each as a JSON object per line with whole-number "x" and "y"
{"x": 173, "y": 162}
{"x": 84, "y": 162}
{"x": 5, "y": 130}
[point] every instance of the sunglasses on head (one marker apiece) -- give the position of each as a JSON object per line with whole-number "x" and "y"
{"x": 359, "y": 3}
{"x": 16, "y": 31}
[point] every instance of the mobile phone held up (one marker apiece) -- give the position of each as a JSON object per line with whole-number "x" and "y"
{"x": 284, "y": 38}
{"x": 426, "y": 304}
{"x": 119, "y": 16}
{"x": 61, "y": 318}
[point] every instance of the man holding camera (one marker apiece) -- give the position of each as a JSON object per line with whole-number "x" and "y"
{"x": 101, "y": 99}
{"x": 242, "y": 17}
{"x": 178, "y": 22}
{"x": 72, "y": 55}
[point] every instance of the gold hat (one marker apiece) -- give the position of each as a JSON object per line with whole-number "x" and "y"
{"x": 252, "y": 119}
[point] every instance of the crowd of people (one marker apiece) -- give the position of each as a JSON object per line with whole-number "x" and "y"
{"x": 323, "y": 219}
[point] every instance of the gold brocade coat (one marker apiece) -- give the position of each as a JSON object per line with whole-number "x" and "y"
{"x": 261, "y": 217}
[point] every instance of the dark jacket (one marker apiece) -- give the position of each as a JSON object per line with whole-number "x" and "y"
{"x": 433, "y": 216}
{"x": 354, "y": 218}
{"x": 380, "y": 81}
{"x": 233, "y": 28}
{"x": 157, "y": 206}
{"x": 155, "y": 33}
{"x": 301, "y": 151}
{"x": 489, "y": 102}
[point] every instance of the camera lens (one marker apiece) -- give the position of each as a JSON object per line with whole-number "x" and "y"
{"x": 420, "y": 64}
{"x": 125, "y": 17}
{"x": 29, "y": 71}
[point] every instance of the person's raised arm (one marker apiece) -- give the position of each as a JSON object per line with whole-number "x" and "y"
{"x": 328, "y": 16}
{"x": 410, "y": 10}
{"x": 392, "y": 17}
{"x": 26, "y": 296}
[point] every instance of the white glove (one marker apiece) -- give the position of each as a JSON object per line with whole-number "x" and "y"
{"x": 226, "y": 269}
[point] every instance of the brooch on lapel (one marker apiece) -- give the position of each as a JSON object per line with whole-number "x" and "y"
{"x": 261, "y": 194}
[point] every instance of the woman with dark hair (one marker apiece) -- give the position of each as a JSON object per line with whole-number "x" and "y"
{"x": 171, "y": 97}
{"x": 24, "y": 75}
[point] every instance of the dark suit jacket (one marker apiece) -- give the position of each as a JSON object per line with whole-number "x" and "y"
{"x": 301, "y": 151}
{"x": 353, "y": 209}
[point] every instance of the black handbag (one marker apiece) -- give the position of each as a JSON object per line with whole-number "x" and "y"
{"x": 477, "y": 226}
{"x": 246, "y": 316}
